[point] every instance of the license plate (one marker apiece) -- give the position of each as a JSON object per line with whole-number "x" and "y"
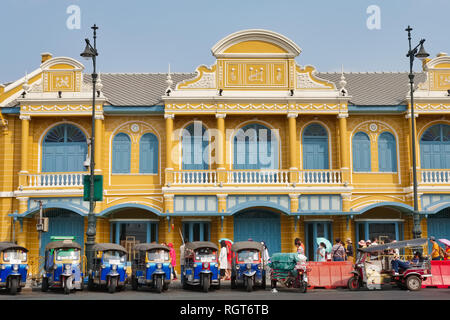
{"x": 114, "y": 261}
{"x": 15, "y": 261}
{"x": 206, "y": 259}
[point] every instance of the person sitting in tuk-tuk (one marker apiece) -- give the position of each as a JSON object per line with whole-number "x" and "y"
{"x": 398, "y": 264}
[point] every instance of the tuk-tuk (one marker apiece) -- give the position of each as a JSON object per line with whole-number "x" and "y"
{"x": 290, "y": 269}
{"x": 62, "y": 267}
{"x": 200, "y": 265}
{"x": 373, "y": 267}
{"x": 13, "y": 267}
{"x": 151, "y": 266}
{"x": 108, "y": 267}
{"x": 248, "y": 265}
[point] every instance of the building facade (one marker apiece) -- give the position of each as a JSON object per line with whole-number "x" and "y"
{"x": 254, "y": 146}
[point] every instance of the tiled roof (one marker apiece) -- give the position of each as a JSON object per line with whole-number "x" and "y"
{"x": 136, "y": 89}
{"x": 146, "y": 89}
{"x": 375, "y": 88}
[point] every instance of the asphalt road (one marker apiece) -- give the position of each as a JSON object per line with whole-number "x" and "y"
{"x": 175, "y": 292}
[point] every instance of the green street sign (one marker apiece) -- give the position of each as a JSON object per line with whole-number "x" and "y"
{"x": 98, "y": 187}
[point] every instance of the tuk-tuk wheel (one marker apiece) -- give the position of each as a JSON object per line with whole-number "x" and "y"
{"x": 159, "y": 284}
{"x": 273, "y": 284}
{"x": 112, "y": 285}
{"x": 44, "y": 285}
{"x": 165, "y": 286}
{"x": 263, "y": 282}
{"x": 205, "y": 283}
{"x": 413, "y": 283}
{"x": 249, "y": 284}
{"x": 303, "y": 287}
{"x": 184, "y": 284}
{"x": 90, "y": 284}
{"x": 353, "y": 283}
{"x": 233, "y": 283}
{"x": 13, "y": 284}
{"x": 67, "y": 285}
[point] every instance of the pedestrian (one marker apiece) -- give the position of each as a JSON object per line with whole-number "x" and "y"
{"x": 375, "y": 242}
{"x": 349, "y": 250}
{"x": 266, "y": 253}
{"x": 321, "y": 252}
{"x": 182, "y": 254}
{"x": 223, "y": 259}
{"x": 173, "y": 260}
{"x": 361, "y": 244}
{"x": 447, "y": 252}
{"x": 299, "y": 245}
{"x": 338, "y": 251}
{"x": 436, "y": 250}
{"x": 229, "y": 258}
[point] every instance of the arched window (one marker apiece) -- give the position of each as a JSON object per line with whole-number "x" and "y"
{"x": 435, "y": 147}
{"x": 315, "y": 147}
{"x": 194, "y": 147}
{"x": 361, "y": 152}
{"x": 64, "y": 149}
{"x": 121, "y": 151}
{"x": 255, "y": 147}
{"x": 387, "y": 154}
{"x": 148, "y": 154}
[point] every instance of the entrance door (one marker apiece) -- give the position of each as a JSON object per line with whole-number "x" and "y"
{"x": 314, "y": 230}
{"x": 63, "y": 223}
{"x": 439, "y": 226}
{"x": 259, "y": 226}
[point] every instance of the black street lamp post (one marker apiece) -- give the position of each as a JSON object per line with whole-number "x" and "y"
{"x": 420, "y": 54}
{"x": 91, "y": 53}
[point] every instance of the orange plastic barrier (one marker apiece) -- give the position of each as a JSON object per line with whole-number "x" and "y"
{"x": 330, "y": 274}
{"x": 441, "y": 275}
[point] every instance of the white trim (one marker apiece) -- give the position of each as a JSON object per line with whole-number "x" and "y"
{"x": 241, "y": 190}
{"x": 133, "y": 220}
{"x": 6, "y": 194}
{"x": 65, "y": 192}
{"x": 195, "y": 219}
{"x": 380, "y": 220}
{"x": 78, "y": 66}
{"x": 318, "y": 220}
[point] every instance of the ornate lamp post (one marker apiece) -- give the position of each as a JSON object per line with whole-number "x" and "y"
{"x": 90, "y": 52}
{"x": 420, "y": 54}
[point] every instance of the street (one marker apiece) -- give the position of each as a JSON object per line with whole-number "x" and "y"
{"x": 175, "y": 292}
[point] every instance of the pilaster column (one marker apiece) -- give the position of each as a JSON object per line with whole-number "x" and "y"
{"x": 293, "y": 167}
{"x": 344, "y": 159}
{"x": 98, "y": 143}
{"x": 222, "y": 221}
{"x": 24, "y": 149}
{"x": 220, "y": 147}
{"x": 22, "y": 236}
{"x": 294, "y": 198}
{"x": 168, "y": 203}
{"x": 409, "y": 146}
{"x": 169, "y": 139}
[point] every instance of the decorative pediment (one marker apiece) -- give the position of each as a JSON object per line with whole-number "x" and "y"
{"x": 306, "y": 79}
{"x": 205, "y": 79}
{"x": 62, "y": 74}
{"x": 438, "y": 74}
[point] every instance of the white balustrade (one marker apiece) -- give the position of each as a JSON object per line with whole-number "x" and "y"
{"x": 55, "y": 180}
{"x": 320, "y": 177}
{"x": 258, "y": 177}
{"x": 195, "y": 177}
{"x": 434, "y": 176}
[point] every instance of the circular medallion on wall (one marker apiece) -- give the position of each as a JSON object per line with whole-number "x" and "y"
{"x": 373, "y": 127}
{"x": 135, "y": 127}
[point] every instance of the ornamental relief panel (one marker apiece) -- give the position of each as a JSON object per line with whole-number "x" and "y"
{"x": 136, "y": 129}
{"x": 374, "y": 129}
{"x": 267, "y": 74}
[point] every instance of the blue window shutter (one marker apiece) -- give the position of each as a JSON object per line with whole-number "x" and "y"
{"x": 387, "y": 155}
{"x": 194, "y": 149}
{"x": 361, "y": 152}
{"x": 64, "y": 149}
{"x": 148, "y": 154}
{"x": 435, "y": 147}
{"x": 315, "y": 147}
{"x": 121, "y": 153}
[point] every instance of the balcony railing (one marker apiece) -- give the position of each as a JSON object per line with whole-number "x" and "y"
{"x": 258, "y": 177}
{"x": 195, "y": 177}
{"x": 433, "y": 176}
{"x": 54, "y": 180}
{"x": 320, "y": 177}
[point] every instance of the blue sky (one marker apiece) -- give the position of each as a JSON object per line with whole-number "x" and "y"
{"x": 144, "y": 36}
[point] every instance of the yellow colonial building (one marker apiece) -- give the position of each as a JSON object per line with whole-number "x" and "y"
{"x": 254, "y": 146}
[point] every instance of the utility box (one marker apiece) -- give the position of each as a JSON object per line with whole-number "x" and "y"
{"x": 42, "y": 225}
{"x": 98, "y": 187}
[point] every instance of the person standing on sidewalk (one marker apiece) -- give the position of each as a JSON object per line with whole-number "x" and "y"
{"x": 338, "y": 251}
{"x": 349, "y": 250}
{"x": 223, "y": 259}
{"x": 173, "y": 260}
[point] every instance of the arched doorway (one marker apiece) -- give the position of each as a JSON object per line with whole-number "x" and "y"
{"x": 439, "y": 226}
{"x": 259, "y": 225}
{"x": 63, "y": 222}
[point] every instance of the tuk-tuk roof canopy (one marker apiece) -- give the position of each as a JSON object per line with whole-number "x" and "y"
{"x": 150, "y": 246}
{"x": 11, "y": 246}
{"x": 396, "y": 245}
{"x": 108, "y": 246}
{"x": 201, "y": 244}
{"x": 237, "y": 246}
{"x": 62, "y": 245}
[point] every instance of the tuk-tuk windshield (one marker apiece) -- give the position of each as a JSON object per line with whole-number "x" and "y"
{"x": 14, "y": 256}
{"x": 205, "y": 255}
{"x": 114, "y": 257}
{"x": 67, "y": 254}
{"x": 158, "y": 255}
{"x": 248, "y": 256}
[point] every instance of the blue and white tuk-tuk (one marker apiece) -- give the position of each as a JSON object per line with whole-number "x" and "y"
{"x": 200, "y": 265}
{"x": 62, "y": 267}
{"x": 248, "y": 265}
{"x": 151, "y": 266}
{"x": 108, "y": 267}
{"x": 13, "y": 267}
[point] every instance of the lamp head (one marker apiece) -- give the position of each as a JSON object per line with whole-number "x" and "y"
{"x": 88, "y": 52}
{"x": 422, "y": 54}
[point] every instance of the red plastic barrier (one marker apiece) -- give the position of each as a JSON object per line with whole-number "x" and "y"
{"x": 329, "y": 275}
{"x": 441, "y": 275}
